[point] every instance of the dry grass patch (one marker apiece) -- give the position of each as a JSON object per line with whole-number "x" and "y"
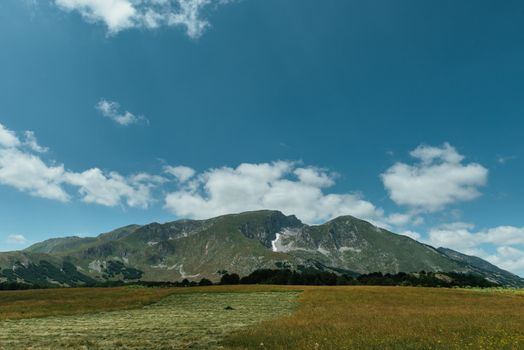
{"x": 393, "y": 318}
{"x": 74, "y": 301}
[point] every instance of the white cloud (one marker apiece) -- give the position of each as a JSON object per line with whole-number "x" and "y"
{"x": 278, "y": 185}
{"x": 110, "y": 109}
{"x": 456, "y": 236}
{"x": 315, "y": 177}
{"x": 116, "y": 14}
{"x": 109, "y": 190}
{"x": 16, "y": 239}
{"x": 398, "y": 219}
{"x": 32, "y": 142}
{"x": 507, "y": 240}
{"x": 411, "y": 234}
{"x": 439, "y": 178}
{"x": 189, "y": 17}
{"x": 505, "y": 159}
{"x": 508, "y": 258}
{"x": 119, "y": 15}
{"x": 461, "y": 236}
{"x": 428, "y": 154}
{"x": 28, "y": 172}
{"x": 182, "y": 173}
{"x": 8, "y": 138}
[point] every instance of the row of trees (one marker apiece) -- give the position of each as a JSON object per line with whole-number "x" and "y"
{"x": 108, "y": 284}
{"x": 322, "y": 278}
{"x": 311, "y": 277}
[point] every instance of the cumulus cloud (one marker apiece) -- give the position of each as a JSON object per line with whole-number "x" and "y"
{"x": 508, "y": 258}
{"x": 16, "y": 239}
{"x": 399, "y": 219}
{"x": 8, "y": 138}
{"x": 28, "y": 172}
{"x": 461, "y": 236}
{"x": 181, "y": 173}
{"x": 315, "y": 177}
{"x": 111, "y": 110}
{"x": 411, "y": 234}
{"x": 438, "y": 178}
{"x": 508, "y": 242}
{"x": 279, "y": 185}
{"x": 32, "y": 142}
{"x": 119, "y": 15}
{"x": 116, "y": 14}
{"x": 109, "y": 189}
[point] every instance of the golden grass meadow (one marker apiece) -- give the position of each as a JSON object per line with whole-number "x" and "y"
{"x": 262, "y": 317}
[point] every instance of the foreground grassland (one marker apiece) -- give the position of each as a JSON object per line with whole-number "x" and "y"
{"x": 180, "y": 321}
{"x": 394, "y": 318}
{"x": 75, "y": 301}
{"x": 264, "y": 317}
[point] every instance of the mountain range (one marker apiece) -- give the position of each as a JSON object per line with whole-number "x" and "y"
{"x": 236, "y": 243}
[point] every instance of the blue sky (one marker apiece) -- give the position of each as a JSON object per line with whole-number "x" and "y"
{"x": 406, "y": 113}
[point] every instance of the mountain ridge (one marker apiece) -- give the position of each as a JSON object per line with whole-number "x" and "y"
{"x": 238, "y": 243}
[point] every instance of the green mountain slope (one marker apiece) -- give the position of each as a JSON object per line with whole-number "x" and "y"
{"x": 239, "y": 243}
{"x": 490, "y": 271}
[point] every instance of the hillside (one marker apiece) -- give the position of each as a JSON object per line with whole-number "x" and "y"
{"x": 239, "y": 243}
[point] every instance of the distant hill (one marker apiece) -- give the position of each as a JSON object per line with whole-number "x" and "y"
{"x": 237, "y": 243}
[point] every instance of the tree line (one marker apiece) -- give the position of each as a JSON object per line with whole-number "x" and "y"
{"x": 306, "y": 278}
{"x": 323, "y": 278}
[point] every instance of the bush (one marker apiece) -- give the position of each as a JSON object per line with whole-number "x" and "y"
{"x": 230, "y": 279}
{"x": 205, "y": 282}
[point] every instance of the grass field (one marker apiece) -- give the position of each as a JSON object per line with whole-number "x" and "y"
{"x": 263, "y": 317}
{"x": 393, "y": 318}
{"x": 49, "y": 302}
{"x": 179, "y": 321}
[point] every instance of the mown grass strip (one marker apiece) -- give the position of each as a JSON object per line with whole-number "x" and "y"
{"x": 186, "y": 319}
